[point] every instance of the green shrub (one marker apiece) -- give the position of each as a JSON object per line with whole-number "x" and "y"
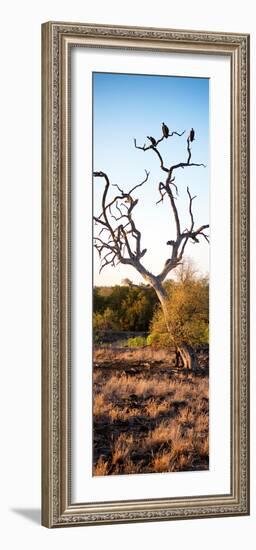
{"x": 159, "y": 340}
{"x": 124, "y": 308}
{"x": 137, "y": 342}
{"x": 106, "y": 320}
{"x": 188, "y": 316}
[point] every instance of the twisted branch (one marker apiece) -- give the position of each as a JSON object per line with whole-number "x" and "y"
{"x": 122, "y": 239}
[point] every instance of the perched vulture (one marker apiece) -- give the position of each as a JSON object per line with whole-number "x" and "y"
{"x": 165, "y": 130}
{"x": 192, "y": 134}
{"x": 152, "y": 139}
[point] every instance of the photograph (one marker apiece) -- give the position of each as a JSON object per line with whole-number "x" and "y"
{"x": 151, "y": 273}
{"x": 145, "y": 274}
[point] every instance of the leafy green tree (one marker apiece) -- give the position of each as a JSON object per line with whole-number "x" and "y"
{"x": 105, "y": 321}
{"x": 132, "y": 307}
{"x": 187, "y": 314}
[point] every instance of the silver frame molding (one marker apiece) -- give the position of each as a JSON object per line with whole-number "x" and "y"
{"x": 57, "y": 41}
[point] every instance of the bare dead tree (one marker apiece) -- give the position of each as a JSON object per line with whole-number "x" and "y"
{"x": 119, "y": 239}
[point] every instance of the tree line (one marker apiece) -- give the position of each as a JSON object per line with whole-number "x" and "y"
{"x": 135, "y": 308}
{"x": 123, "y": 308}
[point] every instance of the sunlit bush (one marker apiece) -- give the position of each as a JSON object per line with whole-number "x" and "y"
{"x": 137, "y": 342}
{"x": 187, "y": 315}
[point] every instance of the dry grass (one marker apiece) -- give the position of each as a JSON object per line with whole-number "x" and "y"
{"x": 149, "y": 420}
{"x": 126, "y": 355}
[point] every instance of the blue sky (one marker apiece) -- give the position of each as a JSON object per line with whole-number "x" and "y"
{"x": 134, "y": 106}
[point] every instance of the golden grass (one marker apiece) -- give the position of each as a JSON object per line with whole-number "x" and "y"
{"x": 149, "y": 422}
{"x": 161, "y": 462}
{"x": 101, "y": 468}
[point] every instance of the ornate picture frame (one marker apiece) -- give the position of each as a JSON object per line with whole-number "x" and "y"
{"x": 58, "y": 40}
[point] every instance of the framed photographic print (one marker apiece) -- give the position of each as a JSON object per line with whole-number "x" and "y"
{"x": 145, "y": 274}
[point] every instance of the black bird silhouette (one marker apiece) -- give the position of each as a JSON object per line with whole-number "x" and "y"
{"x": 192, "y": 134}
{"x": 152, "y": 139}
{"x": 165, "y": 130}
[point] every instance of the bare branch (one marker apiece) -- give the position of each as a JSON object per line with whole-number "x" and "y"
{"x": 118, "y": 247}
{"x": 174, "y": 209}
{"x": 144, "y": 148}
{"x": 176, "y": 134}
{"x": 155, "y": 143}
{"x": 162, "y": 191}
{"x": 123, "y": 238}
{"x": 119, "y": 188}
{"x": 190, "y": 208}
{"x": 175, "y": 186}
{"x": 185, "y": 164}
{"x": 191, "y": 234}
{"x": 140, "y": 184}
